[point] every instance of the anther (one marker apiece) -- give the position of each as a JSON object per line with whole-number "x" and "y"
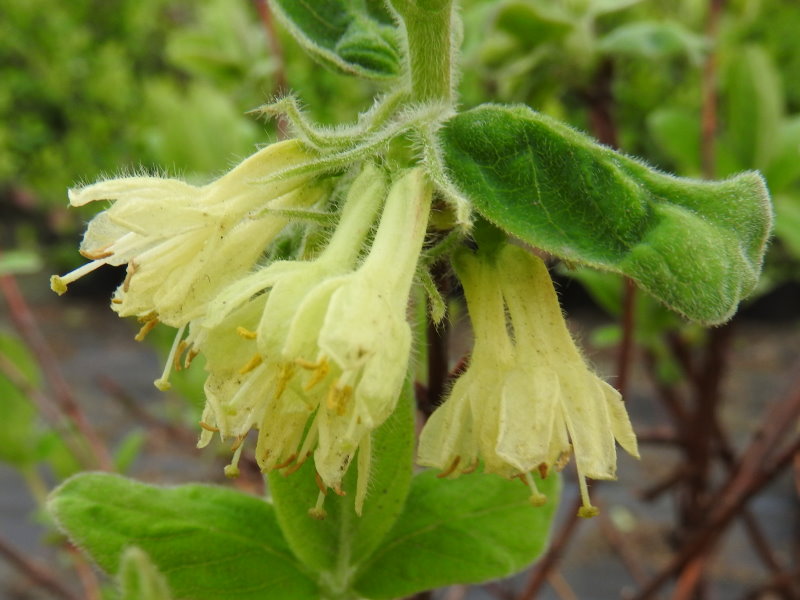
{"x": 449, "y": 471}
{"x": 146, "y": 328}
{"x": 320, "y": 484}
{"x": 285, "y": 375}
{"x": 190, "y": 356}
{"x": 208, "y": 427}
{"x": 176, "y": 361}
{"x": 246, "y": 333}
{"x": 287, "y": 462}
{"x": 321, "y": 371}
{"x": 97, "y": 254}
{"x": 132, "y": 268}
{"x": 471, "y": 468}
{"x": 251, "y": 364}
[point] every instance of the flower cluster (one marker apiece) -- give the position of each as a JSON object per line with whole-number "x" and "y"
{"x": 311, "y": 352}
{"x": 527, "y": 399}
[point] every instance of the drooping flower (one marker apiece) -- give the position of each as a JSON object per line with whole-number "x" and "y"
{"x": 183, "y": 244}
{"x": 528, "y": 399}
{"x": 330, "y": 340}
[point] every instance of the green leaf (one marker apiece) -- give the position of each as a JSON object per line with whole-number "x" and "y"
{"x": 128, "y": 450}
{"x": 784, "y": 169}
{"x": 677, "y": 133}
{"x": 754, "y": 101}
{"x": 357, "y": 37}
{"x": 19, "y": 428}
{"x": 15, "y": 262}
{"x": 533, "y": 23}
{"x": 467, "y": 530}
{"x": 787, "y": 222}
{"x": 211, "y": 543}
{"x": 344, "y": 539}
{"x": 697, "y": 246}
{"x": 602, "y": 7}
{"x": 653, "y": 40}
{"x": 139, "y": 578}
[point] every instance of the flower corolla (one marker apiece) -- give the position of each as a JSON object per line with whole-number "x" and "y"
{"x": 527, "y": 400}
{"x": 329, "y": 342}
{"x": 183, "y": 244}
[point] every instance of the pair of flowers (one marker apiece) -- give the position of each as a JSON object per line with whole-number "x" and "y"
{"x": 312, "y": 352}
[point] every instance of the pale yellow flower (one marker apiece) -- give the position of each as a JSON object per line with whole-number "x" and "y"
{"x": 183, "y": 244}
{"x": 329, "y": 339}
{"x": 528, "y": 399}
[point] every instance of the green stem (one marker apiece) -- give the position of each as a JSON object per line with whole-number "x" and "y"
{"x": 429, "y": 34}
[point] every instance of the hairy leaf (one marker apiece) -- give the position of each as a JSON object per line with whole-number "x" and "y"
{"x": 695, "y": 245}
{"x": 210, "y": 543}
{"x": 654, "y": 40}
{"x": 467, "y": 530}
{"x": 139, "y": 578}
{"x": 357, "y": 37}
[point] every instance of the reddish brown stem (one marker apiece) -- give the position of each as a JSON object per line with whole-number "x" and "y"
{"x": 748, "y": 478}
{"x": 276, "y": 51}
{"x": 625, "y": 350}
{"x": 38, "y": 575}
{"x": 25, "y": 324}
{"x": 550, "y": 559}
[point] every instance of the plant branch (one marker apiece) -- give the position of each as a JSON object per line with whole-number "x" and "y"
{"x": 36, "y": 573}
{"x": 25, "y": 323}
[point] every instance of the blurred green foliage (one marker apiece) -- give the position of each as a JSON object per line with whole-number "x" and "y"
{"x": 93, "y": 88}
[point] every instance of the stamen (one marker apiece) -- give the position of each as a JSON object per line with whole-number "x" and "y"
{"x": 317, "y": 512}
{"x": 132, "y": 268}
{"x": 190, "y": 356}
{"x": 237, "y": 443}
{"x": 146, "y": 328}
{"x": 296, "y": 466}
{"x": 208, "y": 427}
{"x": 537, "y": 498}
{"x": 471, "y": 468}
{"x": 587, "y": 510}
{"x": 286, "y": 462}
{"x": 98, "y": 254}
{"x": 162, "y": 383}
{"x": 338, "y": 397}
{"x": 321, "y": 371}
{"x": 246, "y": 333}
{"x": 116, "y": 301}
{"x": 251, "y": 364}
{"x": 59, "y": 283}
{"x": 307, "y": 364}
{"x": 176, "y": 363}
{"x": 453, "y": 466}
{"x": 543, "y": 470}
{"x": 338, "y": 491}
{"x": 285, "y": 375}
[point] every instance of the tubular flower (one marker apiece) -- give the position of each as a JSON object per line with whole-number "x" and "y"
{"x": 546, "y": 402}
{"x": 183, "y": 244}
{"x": 329, "y": 341}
